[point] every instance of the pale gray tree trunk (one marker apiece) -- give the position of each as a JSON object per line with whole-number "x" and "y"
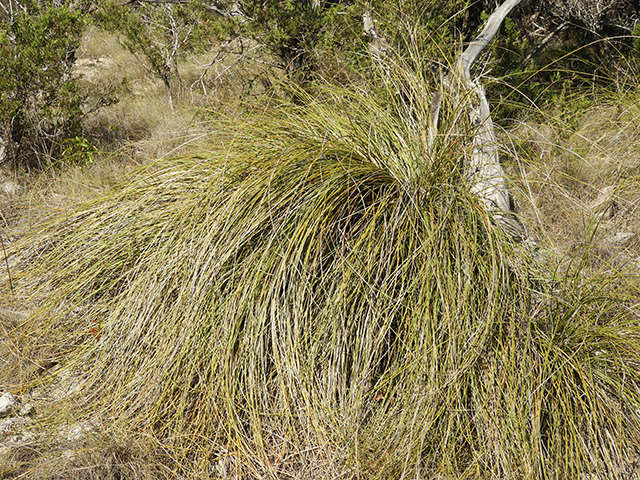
{"x": 485, "y": 174}
{"x": 3, "y": 147}
{"x": 378, "y": 45}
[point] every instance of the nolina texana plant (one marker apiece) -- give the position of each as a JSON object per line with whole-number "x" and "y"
{"x": 319, "y": 289}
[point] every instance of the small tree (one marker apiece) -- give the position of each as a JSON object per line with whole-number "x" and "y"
{"x": 161, "y": 32}
{"x": 40, "y": 104}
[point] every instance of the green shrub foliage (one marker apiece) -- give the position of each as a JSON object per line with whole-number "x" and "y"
{"x": 40, "y": 104}
{"x": 315, "y": 35}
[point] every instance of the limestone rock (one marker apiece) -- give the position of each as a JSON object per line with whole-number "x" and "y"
{"x": 8, "y": 404}
{"x": 619, "y": 239}
{"x": 27, "y": 410}
{"x": 9, "y": 188}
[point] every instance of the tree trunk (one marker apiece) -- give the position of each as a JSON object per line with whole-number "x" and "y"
{"x": 486, "y": 176}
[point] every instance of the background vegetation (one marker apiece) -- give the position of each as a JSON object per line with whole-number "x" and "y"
{"x": 40, "y": 104}
{"x": 230, "y": 254}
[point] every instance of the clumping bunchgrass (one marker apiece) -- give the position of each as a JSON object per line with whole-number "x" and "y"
{"x": 318, "y": 295}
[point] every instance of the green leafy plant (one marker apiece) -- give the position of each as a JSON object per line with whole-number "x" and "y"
{"x": 40, "y": 104}
{"x": 78, "y": 151}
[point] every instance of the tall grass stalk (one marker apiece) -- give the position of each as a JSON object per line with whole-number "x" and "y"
{"x": 321, "y": 287}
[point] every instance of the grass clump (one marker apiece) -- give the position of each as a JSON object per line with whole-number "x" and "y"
{"x": 319, "y": 292}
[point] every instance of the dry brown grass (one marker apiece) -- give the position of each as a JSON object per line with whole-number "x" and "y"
{"x": 577, "y": 183}
{"x": 143, "y": 119}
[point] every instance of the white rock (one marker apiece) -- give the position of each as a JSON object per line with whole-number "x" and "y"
{"x": 80, "y": 431}
{"x": 8, "y": 404}
{"x": 27, "y": 410}
{"x": 619, "y": 239}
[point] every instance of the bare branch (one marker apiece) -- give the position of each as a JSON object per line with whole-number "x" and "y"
{"x": 542, "y": 44}
{"x": 233, "y": 11}
{"x": 475, "y": 48}
{"x": 153, "y": 1}
{"x": 485, "y": 174}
